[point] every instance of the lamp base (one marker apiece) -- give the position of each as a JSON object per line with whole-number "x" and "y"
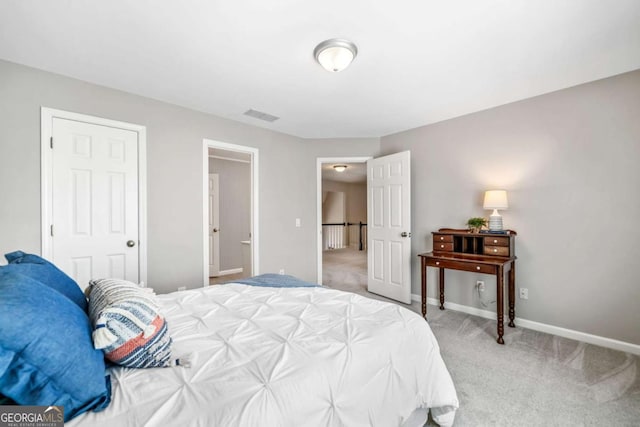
{"x": 495, "y": 222}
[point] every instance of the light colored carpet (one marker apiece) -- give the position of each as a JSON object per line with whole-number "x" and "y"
{"x": 536, "y": 379}
{"x": 346, "y": 269}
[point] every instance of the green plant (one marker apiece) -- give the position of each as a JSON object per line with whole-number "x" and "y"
{"x": 476, "y": 223}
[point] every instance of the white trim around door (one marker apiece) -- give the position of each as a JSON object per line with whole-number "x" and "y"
{"x": 255, "y": 242}
{"x": 319, "y": 162}
{"x": 46, "y": 185}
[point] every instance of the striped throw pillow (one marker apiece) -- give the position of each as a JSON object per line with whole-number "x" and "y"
{"x": 127, "y": 325}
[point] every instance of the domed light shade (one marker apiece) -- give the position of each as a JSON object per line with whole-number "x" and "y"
{"x": 340, "y": 168}
{"x": 335, "y": 54}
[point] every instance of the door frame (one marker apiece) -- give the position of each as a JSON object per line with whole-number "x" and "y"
{"x": 319, "y": 162}
{"x": 216, "y": 255}
{"x": 254, "y": 152}
{"x": 46, "y": 183}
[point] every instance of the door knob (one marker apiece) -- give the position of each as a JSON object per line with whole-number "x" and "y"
{"x": 405, "y": 234}
{"x": 131, "y": 243}
{"x": 215, "y": 230}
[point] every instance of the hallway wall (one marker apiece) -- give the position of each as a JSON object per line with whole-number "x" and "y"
{"x": 355, "y": 201}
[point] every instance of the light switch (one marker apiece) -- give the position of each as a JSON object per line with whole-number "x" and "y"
{"x": 297, "y": 222}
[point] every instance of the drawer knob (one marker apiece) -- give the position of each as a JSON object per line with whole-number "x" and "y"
{"x": 442, "y": 246}
{"x": 495, "y": 250}
{"x": 441, "y": 238}
{"x": 437, "y": 262}
{"x": 495, "y": 241}
{"x": 478, "y": 268}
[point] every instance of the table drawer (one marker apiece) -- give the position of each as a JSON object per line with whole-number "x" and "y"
{"x": 448, "y": 238}
{"x": 437, "y": 246}
{"x": 496, "y": 241}
{"x": 460, "y": 265}
{"x": 496, "y": 250}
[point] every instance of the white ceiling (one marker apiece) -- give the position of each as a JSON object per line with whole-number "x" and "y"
{"x": 355, "y": 172}
{"x": 229, "y": 154}
{"x": 419, "y": 61}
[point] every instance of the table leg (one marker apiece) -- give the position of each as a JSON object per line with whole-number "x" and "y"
{"x": 500, "y": 303}
{"x": 441, "y": 271}
{"x": 423, "y": 268}
{"x": 512, "y": 294}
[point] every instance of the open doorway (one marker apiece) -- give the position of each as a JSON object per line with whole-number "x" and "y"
{"x": 230, "y": 212}
{"x": 342, "y": 223}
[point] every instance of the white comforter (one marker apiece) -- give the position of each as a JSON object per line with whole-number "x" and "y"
{"x": 285, "y": 357}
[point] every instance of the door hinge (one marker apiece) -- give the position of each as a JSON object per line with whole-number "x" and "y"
{"x": 51, "y": 142}
{"x": 51, "y": 231}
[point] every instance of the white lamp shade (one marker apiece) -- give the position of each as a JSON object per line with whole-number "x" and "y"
{"x": 335, "y": 59}
{"x": 496, "y": 199}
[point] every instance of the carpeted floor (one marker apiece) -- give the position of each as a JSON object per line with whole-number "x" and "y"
{"x": 346, "y": 269}
{"x": 536, "y": 379}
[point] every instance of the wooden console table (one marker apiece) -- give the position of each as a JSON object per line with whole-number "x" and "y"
{"x": 475, "y": 252}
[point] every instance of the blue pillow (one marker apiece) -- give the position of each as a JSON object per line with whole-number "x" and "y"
{"x": 46, "y": 273}
{"x": 46, "y": 352}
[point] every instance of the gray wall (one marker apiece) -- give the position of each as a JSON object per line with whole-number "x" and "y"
{"x": 569, "y": 161}
{"x": 356, "y": 203}
{"x": 234, "y": 180}
{"x": 174, "y": 158}
{"x": 334, "y": 209}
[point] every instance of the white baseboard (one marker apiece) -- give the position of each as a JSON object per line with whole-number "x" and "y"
{"x": 540, "y": 327}
{"x": 230, "y": 271}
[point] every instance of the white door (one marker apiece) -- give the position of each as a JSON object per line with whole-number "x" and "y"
{"x": 214, "y": 225}
{"x": 389, "y": 226}
{"x": 94, "y": 199}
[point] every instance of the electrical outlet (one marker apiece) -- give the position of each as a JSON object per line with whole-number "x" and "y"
{"x": 298, "y": 222}
{"x": 480, "y": 285}
{"x": 281, "y": 271}
{"x": 182, "y": 288}
{"x": 524, "y": 293}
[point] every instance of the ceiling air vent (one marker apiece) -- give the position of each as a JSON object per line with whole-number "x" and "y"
{"x": 260, "y": 115}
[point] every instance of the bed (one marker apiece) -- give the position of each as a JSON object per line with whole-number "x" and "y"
{"x": 263, "y": 356}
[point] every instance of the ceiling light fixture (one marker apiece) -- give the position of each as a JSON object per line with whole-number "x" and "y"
{"x": 335, "y": 54}
{"x": 340, "y": 168}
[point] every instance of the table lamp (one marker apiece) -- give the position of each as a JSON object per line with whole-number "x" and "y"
{"x": 495, "y": 199}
